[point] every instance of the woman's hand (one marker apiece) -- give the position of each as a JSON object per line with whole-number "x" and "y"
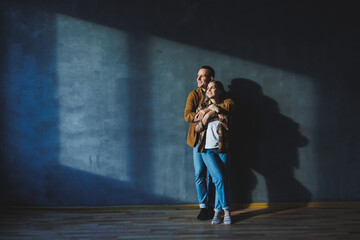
{"x": 199, "y": 116}
{"x": 209, "y": 115}
{"x": 214, "y": 108}
{"x": 205, "y": 119}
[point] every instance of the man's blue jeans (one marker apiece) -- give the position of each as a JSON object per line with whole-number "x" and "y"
{"x": 204, "y": 186}
{"x": 216, "y": 164}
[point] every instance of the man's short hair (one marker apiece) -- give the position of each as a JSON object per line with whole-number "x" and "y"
{"x": 210, "y": 69}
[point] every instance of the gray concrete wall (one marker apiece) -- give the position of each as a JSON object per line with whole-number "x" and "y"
{"x": 93, "y": 92}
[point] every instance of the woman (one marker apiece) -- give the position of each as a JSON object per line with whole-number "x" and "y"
{"x": 214, "y": 145}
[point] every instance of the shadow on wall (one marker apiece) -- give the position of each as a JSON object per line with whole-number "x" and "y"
{"x": 264, "y": 141}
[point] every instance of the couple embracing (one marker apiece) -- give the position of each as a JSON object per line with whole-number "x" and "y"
{"x": 208, "y": 111}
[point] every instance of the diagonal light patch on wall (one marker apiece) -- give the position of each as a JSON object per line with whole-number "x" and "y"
{"x": 92, "y": 94}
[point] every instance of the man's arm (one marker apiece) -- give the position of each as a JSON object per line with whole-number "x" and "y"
{"x": 190, "y": 108}
{"x": 227, "y": 105}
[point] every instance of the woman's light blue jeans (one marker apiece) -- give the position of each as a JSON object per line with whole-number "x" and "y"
{"x": 216, "y": 164}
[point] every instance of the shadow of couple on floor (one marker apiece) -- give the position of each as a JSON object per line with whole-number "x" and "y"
{"x": 271, "y": 208}
{"x": 266, "y": 142}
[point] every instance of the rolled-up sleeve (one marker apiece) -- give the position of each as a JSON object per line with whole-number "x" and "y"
{"x": 199, "y": 127}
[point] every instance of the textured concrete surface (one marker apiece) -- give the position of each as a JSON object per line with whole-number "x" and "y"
{"x": 93, "y": 92}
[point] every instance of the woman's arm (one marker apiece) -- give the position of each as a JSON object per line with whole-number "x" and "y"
{"x": 199, "y": 126}
{"x": 224, "y": 120}
{"x": 209, "y": 115}
{"x": 200, "y": 115}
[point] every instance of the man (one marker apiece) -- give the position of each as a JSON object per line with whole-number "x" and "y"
{"x": 195, "y": 98}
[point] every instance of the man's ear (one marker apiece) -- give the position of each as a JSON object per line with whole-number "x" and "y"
{"x": 212, "y": 78}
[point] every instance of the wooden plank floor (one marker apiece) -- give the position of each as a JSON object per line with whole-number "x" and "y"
{"x": 267, "y": 223}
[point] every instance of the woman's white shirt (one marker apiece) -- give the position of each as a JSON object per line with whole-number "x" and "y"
{"x": 212, "y": 135}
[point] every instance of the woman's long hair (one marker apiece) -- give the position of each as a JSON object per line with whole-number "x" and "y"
{"x": 222, "y": 95}
{"x": 220, "y": 87}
